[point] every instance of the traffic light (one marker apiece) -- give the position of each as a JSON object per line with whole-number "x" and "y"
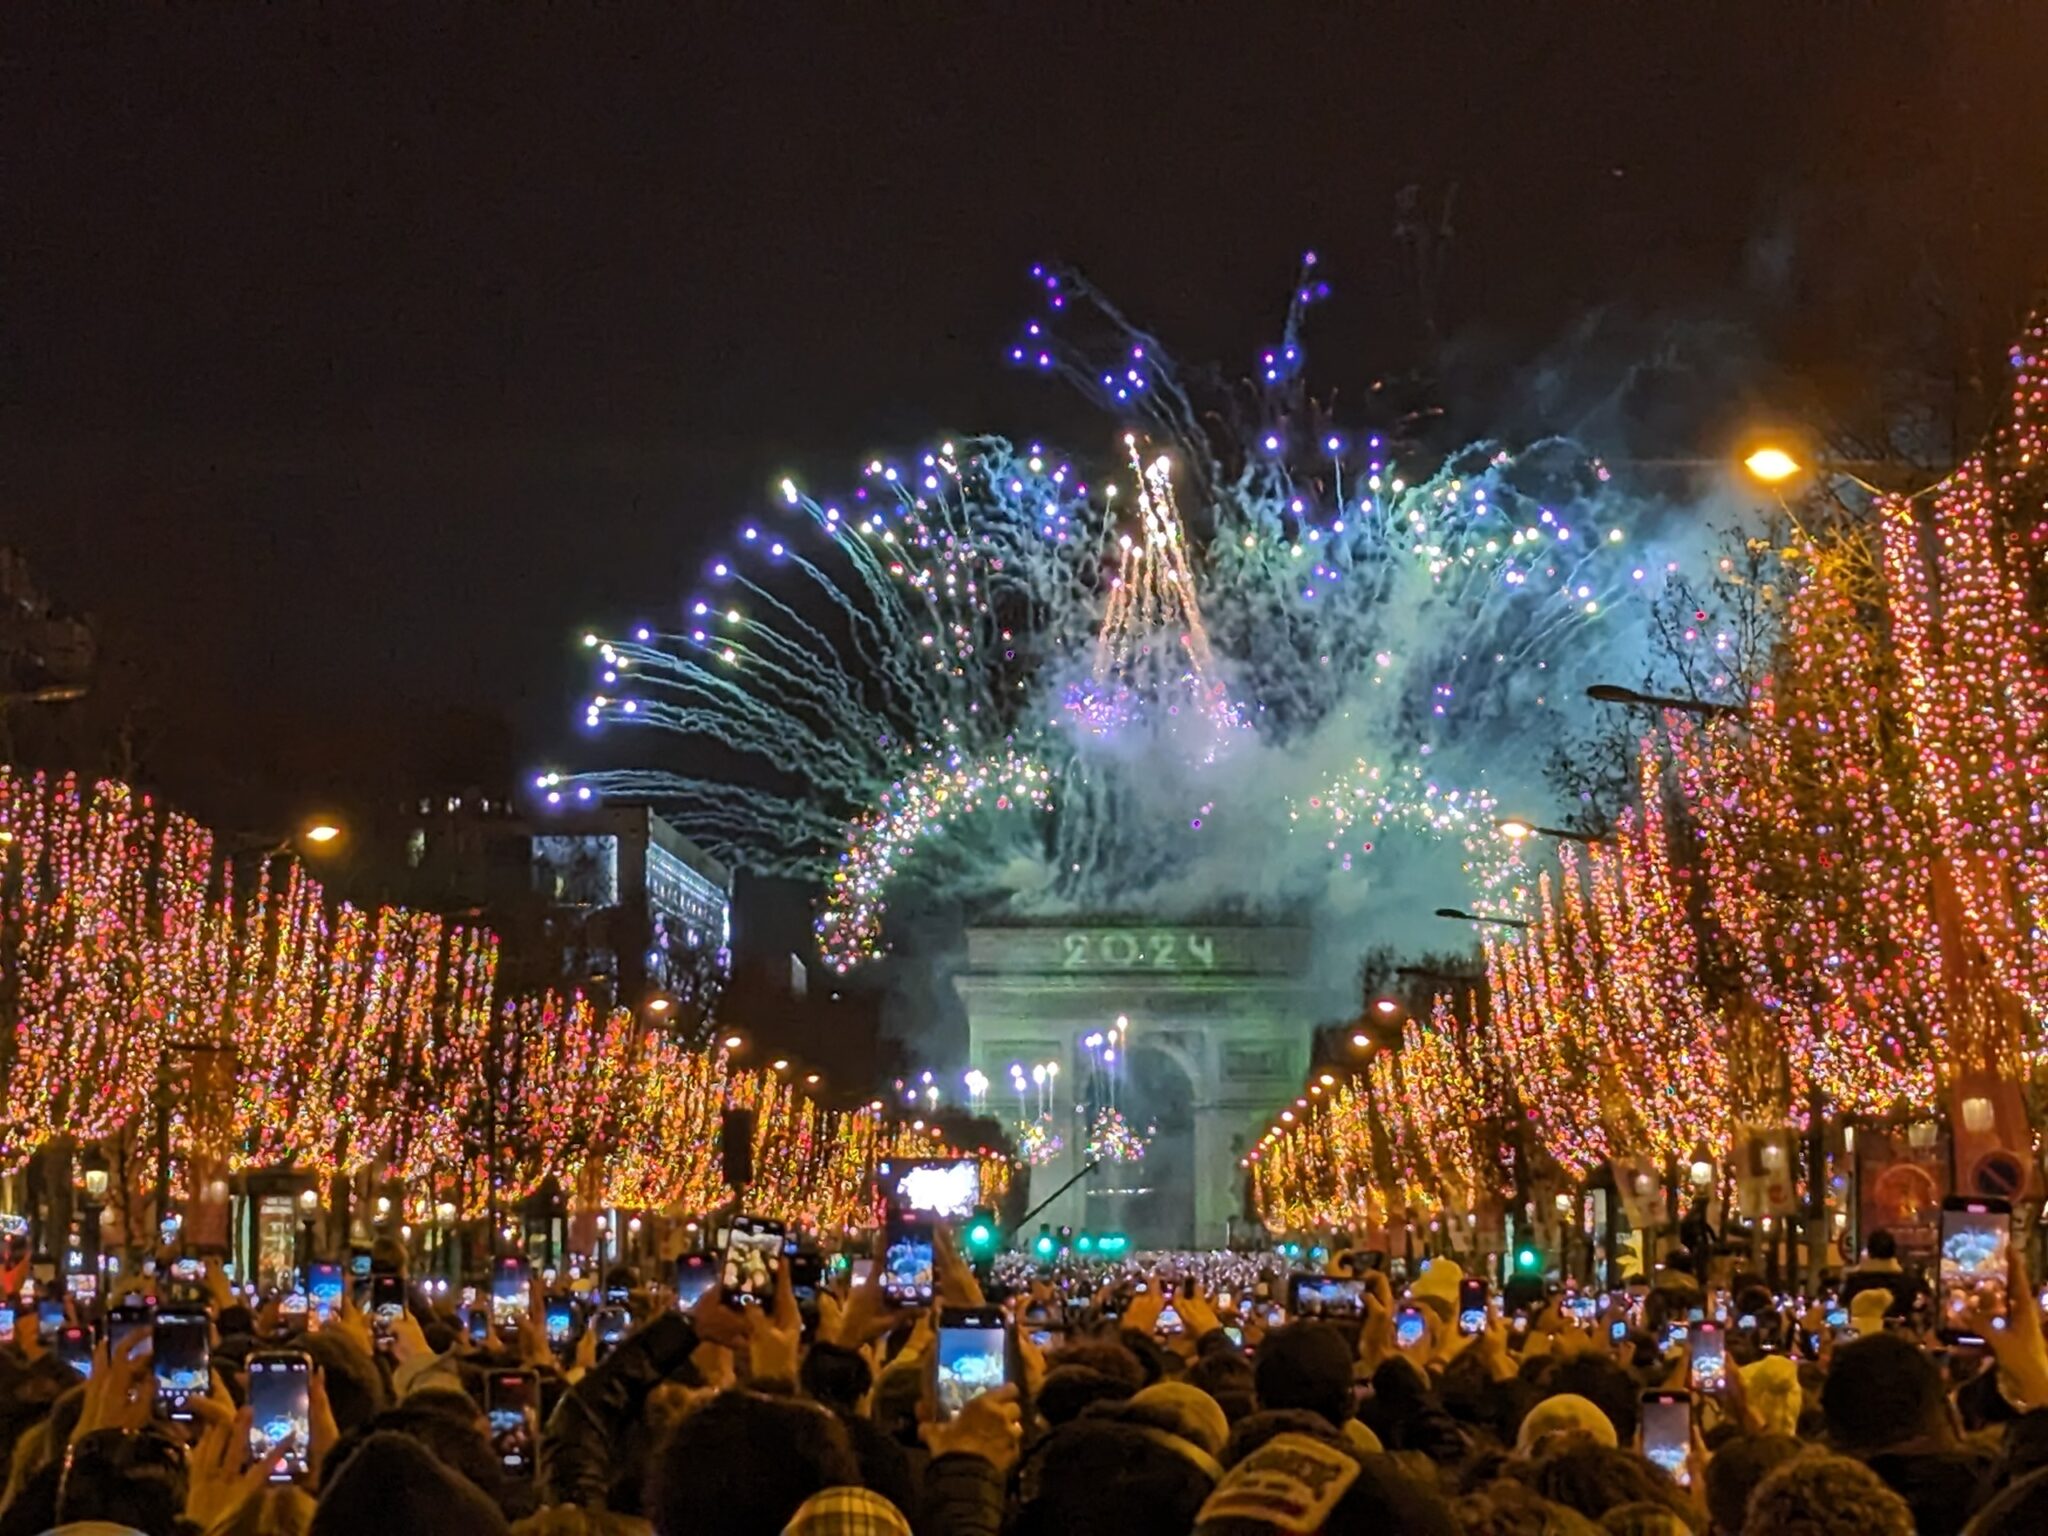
{"x": 1044, "y": 1247}
{"x": 982, "y": 1236}
{"x": 1112, "y": 1245}
{"x": 1528, "y": 1261}
{"x": 1083, "y": 1242}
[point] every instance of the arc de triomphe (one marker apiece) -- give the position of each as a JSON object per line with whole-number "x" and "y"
{"x": 1227, "y": 1006}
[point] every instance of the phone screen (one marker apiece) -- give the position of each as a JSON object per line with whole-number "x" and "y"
{"x": 323, "y": 1289}
{"x": 948, "y": 1188}
{"x": 561, "y": 1321}
{"x": 860, "y": 1270}
{"x": 1472, "y": 1299}
{"x": 907, "y": 1260}
{"x": 973, "y": 1356}
{"x": 1976, "y": 1262}
{"x": 6, "y": 1322}
{"x": 805, "y": 1271}
{"x": 511, "y": 1292}
{"x": 125, "y": 1321}
{"x": 695, "y": 1274}
{"x": 610, "y": 1324}
{"x": 1325, "y": 1296}
{"x": 1667, "y": 1433}
{"x": 1709, "y": 1358}
{"x": 49, "y": 1318}
{"x": 280, "y": 1414}
{"x": 1409, "y": 1326}
{"x": 753, "y": 1261}
{"x": 74, "y": 1348}
{"x": 182, "y": 1352}
{"x": 1169, "y": 1321}
{"x": 511, "y": 1401}
{"x": 387, "y": 1300}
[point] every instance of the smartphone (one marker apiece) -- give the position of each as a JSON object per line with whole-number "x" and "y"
{"x": 49, "y": 1318}
{"x": 805, "y": 1272}
{"x": 973, "y": 1356}
{"x": 1410, "y": 1325}
{"x": 479, "y": 1324}
{"x": 1234, "y": 1333}
{"x": 695, "y": 1274}
{"x": 1976, "y": 1262}
{"x": 387, "y": 1301}
{"x": 907, "y": 1260}
{"x": 511, "y": 1292}
{"x": 753, "y": 1262}
{"x": 281, "y": 1413}
{"x": 74, "y": 1348}
{"x": 126, "y": 1320}
{"x": 1325, "y": 1296}
{"x": 1836, "y": 1318}
{"x": 561, "y": 1322}
{"x": 6, "y": 1322}
{"x": 189, "y": 1271}
{"x": 860, "y": 1270}
{"x": 1473, "y": 1296}
{"x": 359, "y": 1264}
{"x": 1582, "y": 1309}
{"x": 83, "y": 1288}
{"x": 512, "y": 1404}
{"x": 1676, "y": 1335}
{"x": 610, "y": 1324}
{"x": 1169, "y": 1321}
{"x": 1617, "y": 1330}
{"x": 1709, "y": 1358}
{"x": 181, "y": 1350}
{"x": 323, "y": 1290}
{"x": 948, "y": 1188}
{"x": 1666, "y": 1420}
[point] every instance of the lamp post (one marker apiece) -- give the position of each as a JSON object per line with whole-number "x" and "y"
{"x": 309, "y": 1217}
{"x": 92, "y": 1186}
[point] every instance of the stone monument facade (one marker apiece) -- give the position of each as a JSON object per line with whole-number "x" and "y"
{"x": 1228, "y": 1006}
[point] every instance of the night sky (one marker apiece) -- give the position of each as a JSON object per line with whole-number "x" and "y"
{"x": 356, "y": 359}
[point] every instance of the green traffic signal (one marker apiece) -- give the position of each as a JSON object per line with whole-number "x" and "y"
{"x": 1083, "y": 1243}
{"x": 982, "y": 1236}
{"x": 1528, "y": 1260}
{"x": 1045, "y": 1246}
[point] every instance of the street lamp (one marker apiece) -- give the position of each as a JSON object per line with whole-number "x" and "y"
{"x": 1459, "y": 915}
{"x": 309, "y": 1214}
{"x": 1772, "y": 465}
{"x": 1614, "y": 693}
{"x": 1516, "y": 830}
{"x": 1386, "y": 1007}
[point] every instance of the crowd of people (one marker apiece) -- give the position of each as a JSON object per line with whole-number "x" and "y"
{"x": 1143, "y": 1407}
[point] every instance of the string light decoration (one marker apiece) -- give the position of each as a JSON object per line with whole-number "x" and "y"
{"x": 1424, "y": 1129}
{"x": 1966, "y": 585}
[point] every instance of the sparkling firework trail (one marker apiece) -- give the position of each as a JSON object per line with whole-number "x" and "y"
{"x": 974, "y": 675}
